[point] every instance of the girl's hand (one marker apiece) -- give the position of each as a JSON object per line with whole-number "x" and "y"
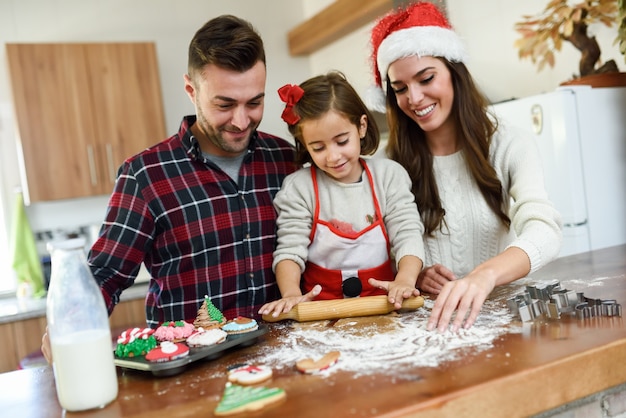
{"x": 397, "y": 290}
{"x": 432, "y": 279}
{"x": 285, "y": 304}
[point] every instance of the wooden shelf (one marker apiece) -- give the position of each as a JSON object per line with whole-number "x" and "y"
{"x": 335, "y": 21}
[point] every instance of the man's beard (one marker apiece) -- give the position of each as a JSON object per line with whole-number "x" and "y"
{"x": 215, "y": 137}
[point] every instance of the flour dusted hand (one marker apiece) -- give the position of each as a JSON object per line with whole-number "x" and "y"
{"x": 466, "y": 296}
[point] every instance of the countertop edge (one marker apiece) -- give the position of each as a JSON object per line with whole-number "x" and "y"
{"x": 577, "y": 376}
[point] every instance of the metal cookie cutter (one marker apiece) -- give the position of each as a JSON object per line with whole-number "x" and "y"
{"x": 551, "y": 300}
{"x": 597, "y": 307}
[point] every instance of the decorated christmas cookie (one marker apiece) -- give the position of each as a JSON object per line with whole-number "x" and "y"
{"x": 167, "y": 351}
{"x": 206, "y": 337}
{"x": 310, "y": 366}
{"x": 237, "y": 399}
{"x": 208, "y": 316}
{"x": 135, "y": 342}
{"x": 247, "y": 374}
{"x": 240, "y": 325}
{"x": 174, "y": 331}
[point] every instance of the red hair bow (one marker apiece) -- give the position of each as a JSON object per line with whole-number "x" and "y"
{"x": 290, "y": 94}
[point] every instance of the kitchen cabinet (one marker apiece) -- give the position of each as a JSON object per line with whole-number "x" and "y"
{"x": 23, "y": 336}
{"x": 19, "y": 339}
{"x": 81, "y": 109}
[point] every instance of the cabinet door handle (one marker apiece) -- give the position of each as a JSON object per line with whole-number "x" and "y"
{"x": 112, "y": 173}
{"x": 92, "y": 166}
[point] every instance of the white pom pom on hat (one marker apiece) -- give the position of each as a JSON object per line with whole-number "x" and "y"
{"x": 419, "y": 29}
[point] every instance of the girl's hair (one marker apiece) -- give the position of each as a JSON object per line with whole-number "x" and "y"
{"x": 331, "y": 92}
{"x": 407, "y": 145}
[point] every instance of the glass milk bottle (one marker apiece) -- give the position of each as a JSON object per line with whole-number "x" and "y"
{"x": 78, "y": 327}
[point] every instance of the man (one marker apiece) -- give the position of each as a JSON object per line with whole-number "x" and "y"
{"x": 197, "y": 207}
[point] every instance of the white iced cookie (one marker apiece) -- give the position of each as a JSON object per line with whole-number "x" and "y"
{"x": 248, "y": 374}
{"x": 206, "y": 337}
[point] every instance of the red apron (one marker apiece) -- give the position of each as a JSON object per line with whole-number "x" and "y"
{"x": 343, "y": 262}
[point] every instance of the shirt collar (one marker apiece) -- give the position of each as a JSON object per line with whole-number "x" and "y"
{"x": 191, "y": 144}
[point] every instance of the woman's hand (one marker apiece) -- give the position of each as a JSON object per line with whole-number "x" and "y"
{"x": 433, "y": 278}
{"x": 285, "y": 304}
{"x": 466, "y": 297}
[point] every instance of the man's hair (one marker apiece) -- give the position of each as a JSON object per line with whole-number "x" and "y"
{"x": 227, "y": 42}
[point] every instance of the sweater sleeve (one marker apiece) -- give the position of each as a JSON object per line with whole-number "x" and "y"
{"x": 400, "y": 213}
{"x": 294, "y": 204}
{"x": 534, "y": 219}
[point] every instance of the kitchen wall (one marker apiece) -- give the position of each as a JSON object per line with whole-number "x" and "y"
{"x": 485, "y": 25}
{"x": 171, "y": 25}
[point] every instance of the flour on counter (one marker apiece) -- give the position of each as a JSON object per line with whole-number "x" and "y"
{"x": 387, "y": 343}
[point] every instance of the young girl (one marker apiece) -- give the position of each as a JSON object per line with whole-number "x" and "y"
{"x": 344, "y": 220}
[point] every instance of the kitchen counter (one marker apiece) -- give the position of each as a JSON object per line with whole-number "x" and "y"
{"x": 535, "y": 367}
{"x": 23, "y": 322}
{"x": 14, "y": 309}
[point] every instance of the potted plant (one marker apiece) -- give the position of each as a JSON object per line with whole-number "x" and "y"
{"x": 560, "y": 21}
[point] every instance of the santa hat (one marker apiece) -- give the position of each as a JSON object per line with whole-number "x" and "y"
{"x": 420, "y": 29}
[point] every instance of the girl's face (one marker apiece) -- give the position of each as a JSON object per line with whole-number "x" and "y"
{"x": 334, "y": 144}
{"x": 424, "y": 92}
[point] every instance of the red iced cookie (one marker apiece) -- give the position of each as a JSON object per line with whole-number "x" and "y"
{"x": 167, "y": 351}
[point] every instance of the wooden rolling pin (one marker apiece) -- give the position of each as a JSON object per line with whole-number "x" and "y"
{"x": 344, "y": 308}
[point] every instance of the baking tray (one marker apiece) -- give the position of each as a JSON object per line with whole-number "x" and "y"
{"x": 170, "y": 368}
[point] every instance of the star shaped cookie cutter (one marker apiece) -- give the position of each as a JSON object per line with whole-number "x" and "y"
{"x": 551, "y": 300}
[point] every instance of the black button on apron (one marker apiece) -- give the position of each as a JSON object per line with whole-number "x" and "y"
{"x": 351, "y": 287}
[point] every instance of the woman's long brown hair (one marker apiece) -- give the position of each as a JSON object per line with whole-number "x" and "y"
{"x": 407, "y": 145}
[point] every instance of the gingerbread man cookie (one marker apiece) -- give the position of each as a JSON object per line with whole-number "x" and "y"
{"x": 310, "y": 366}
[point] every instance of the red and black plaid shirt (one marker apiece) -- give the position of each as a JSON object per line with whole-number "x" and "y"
{"x": 197, "y": 232}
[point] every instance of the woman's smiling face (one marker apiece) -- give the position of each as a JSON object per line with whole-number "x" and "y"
{"x": 423, "y": 89}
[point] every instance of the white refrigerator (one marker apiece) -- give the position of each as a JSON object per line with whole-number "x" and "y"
{"x": 581, "y": 135}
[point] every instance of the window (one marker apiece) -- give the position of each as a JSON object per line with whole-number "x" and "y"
{"x": 9, "y": 179}
{"x": 7, "y": 276}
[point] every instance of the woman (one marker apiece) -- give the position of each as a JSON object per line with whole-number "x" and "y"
{"x": 478, "y": 184}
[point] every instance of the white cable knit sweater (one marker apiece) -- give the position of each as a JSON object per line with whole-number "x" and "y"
{"x": 474, "y": 233}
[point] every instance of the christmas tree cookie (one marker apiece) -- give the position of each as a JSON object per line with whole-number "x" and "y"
{"x": 237, "y": 399}
{"x": 208, "y": 316}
